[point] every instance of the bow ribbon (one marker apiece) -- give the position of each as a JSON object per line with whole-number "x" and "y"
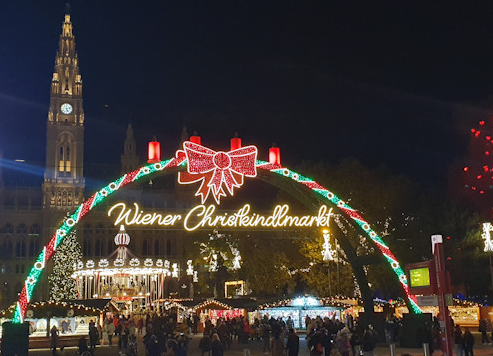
{"x": 215, "y": 168}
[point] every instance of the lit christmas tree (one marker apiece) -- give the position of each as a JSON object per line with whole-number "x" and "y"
{"x": 68, "y": 253}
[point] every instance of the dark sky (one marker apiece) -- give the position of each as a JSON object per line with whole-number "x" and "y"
{"x": 387, "y": 83}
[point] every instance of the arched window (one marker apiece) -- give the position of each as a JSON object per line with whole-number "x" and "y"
{"x": 145, "y": 248}
{"x": 20, "y": 249}
{"x": 99, "y": 229}
{"x": 88, "y": 229}
{"x": 97, "y": 248}
{"x": 34, "y": 229}
{"x": 21, "y": 229}
{"x": 110, "y": 246}
{"x": 8, "y": 229}
{"x": 10, "y": 249}
{"x": 86, "y": 248}
{"x": 157, "y": 252}
{"x": 32, "y": 248}
{"x": 169, "y": 250}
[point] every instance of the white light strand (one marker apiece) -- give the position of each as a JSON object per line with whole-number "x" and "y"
{"x": 486, "y": 235}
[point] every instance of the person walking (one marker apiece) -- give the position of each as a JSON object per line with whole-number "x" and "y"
{"x": 216, "y": 346}
{"x": 277, "y": 344}
{"x": 458, "y": 340}
{"x": 54, "y": 338}
{"x": 93, "y": 335}
{"x": 468, "y": 343}
{"x": 369, "y": 341}
{"x": 205, "y": 345}
{"x": 483, "y": 328}
{"x": 110, "y": 329}
{"x": 152, "y": 346}
{"x": 342, "y": 342}
{"x": 266, "y": 336}
{"x": 293, "y": 343}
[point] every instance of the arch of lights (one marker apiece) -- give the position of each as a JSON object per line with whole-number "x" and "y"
{"x": 181, "y": 160}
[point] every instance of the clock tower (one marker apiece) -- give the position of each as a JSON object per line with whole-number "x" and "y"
{"x": 64, "y": 183}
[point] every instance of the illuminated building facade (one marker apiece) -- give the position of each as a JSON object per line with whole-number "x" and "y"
{"x": 31, "y": 210}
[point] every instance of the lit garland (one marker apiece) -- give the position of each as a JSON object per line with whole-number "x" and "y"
{"x": 211, "y": 301}
{"x": 334, "y": 301}
{"x": 353, "y": 214}
{"x": 69, "y": 223}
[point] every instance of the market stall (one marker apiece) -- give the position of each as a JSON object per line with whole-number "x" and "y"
{"x": 299, "y": 308}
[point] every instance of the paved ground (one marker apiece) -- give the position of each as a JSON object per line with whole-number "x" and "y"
{"x": 255, "y": 349}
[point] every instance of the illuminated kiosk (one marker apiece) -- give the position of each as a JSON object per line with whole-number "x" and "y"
{"x": 124, "y": 277}
{"x": 299, "y": 308}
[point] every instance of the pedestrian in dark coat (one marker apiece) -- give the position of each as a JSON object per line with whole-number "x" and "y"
{"x": 216, "y": 346}
{"x": 152, "y": 346}
{"x": 468, "y": 343}
{"x": 205, "y": 345}
{"x": 293, "y": 343}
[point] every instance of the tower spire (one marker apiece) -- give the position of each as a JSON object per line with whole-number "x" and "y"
{"x": 129, "y": 158}
{"x": 64, "y": 181}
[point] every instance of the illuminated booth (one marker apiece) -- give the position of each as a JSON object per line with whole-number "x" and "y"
{"x": 299, "y": 308}
{"x": 71, "y": 318}
{"x": 125, "y": 278}
{"x": 214, "y": 309}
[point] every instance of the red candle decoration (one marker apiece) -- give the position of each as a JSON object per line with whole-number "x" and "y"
{"x": 235, "y": 142}
{"x": 195, "y": 139}
{"x": 275, "y": 155}
{"x": 154, "y": 152}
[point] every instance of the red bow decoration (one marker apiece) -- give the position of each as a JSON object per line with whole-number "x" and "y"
{"x": 215, "y": 168}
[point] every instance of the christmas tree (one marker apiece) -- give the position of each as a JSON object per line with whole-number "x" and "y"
{"x": 68, "y": 253}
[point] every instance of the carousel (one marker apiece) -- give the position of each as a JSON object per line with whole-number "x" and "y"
{"x": 128, "y": 280}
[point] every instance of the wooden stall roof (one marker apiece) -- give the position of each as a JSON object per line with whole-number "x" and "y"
{"x": 224, "y": 303}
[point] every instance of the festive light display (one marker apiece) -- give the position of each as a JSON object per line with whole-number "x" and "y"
{"x": 220, "y": 245}
{"x": 486, "y": 235}
{"x": 189, "y": 268}
{"x": 195, "y": 139}
{"x": 203, "y": 216}
{"x": 93, "y": 201}
{"x": 478, "y": 175}
{"x": 328, "y": 253}
{"x": 154, "y": 152}
{"x": 275, "y": 155}
{"x": 215, "y": 169}
{"x": 235, "y": 142}
{"x": 353, "y": 214}
{"x": 62, "y": 286}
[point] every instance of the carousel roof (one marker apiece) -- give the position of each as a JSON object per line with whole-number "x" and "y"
{"x": 124, "y": 261}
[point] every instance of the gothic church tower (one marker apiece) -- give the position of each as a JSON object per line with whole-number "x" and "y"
{"x": 64, "y": 182}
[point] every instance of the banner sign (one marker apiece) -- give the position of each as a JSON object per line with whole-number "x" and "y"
{"x": 202, "y": 216}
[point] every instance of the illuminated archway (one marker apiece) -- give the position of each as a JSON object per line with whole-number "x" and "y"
{"x": 69, "y": 223}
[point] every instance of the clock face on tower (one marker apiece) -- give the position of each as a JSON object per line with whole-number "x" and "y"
{"x": 66, "y": 108}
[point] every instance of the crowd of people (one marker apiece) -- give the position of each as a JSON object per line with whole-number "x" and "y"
{"x": 162, "y": 335}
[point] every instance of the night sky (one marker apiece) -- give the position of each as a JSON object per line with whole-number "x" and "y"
{"x": 387, "y": 83}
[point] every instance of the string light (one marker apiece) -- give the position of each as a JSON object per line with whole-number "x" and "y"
{"x": 486, "y": 235}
